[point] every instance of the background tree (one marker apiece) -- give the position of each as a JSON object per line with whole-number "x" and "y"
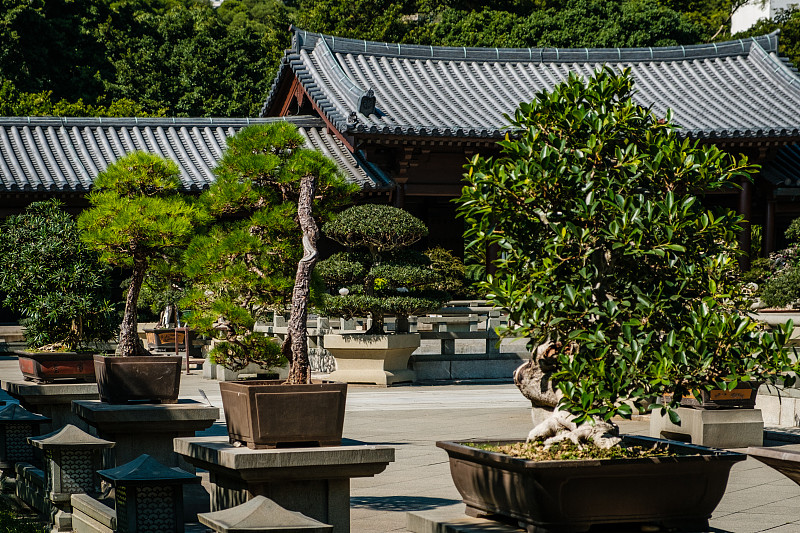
{"x": 137, "y": 213}
{"x": 624, "y": 282}
{"x": 53, "y": 280}
{"x": 268, "y": 191}
{"x": 383, "y": 277}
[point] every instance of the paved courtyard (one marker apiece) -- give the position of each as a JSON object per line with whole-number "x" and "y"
{"x": 413, "y": 418}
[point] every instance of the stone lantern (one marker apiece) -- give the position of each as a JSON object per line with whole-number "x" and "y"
{"x": 148, "y": 495}
{"x": 261, "y": 515}
{"x": 72, "y": 457}
{"x": 16, "y": 425}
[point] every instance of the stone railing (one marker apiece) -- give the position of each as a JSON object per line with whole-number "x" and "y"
{"x": 457, "y": 342}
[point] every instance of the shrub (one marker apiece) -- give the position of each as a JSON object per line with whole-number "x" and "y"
{"x": 53, "y": 280}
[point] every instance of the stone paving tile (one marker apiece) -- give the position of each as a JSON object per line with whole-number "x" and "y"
{"x": 412, "y": 419}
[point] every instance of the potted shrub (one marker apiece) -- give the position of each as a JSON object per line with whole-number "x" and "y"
{"x": 626, "y": 286}
{"x": 59, "y": 288}
{"x": 137, "y": 214}
{"x": 377, "y": 276}
{"x": 258, "y": 257}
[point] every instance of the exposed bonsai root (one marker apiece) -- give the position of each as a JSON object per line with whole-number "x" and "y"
{"x": 560, "y": 426}
{"x": 532, "y": 378}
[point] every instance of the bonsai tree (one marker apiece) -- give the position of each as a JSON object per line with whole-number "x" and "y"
{"x": 381, "y": 276}
{"x": 625, "y": 284}
{"x": 260, "y": 254}
{"x": 137, "y": 214}
{"x": 54, "y": 281}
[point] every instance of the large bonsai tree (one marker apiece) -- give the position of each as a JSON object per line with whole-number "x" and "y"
{"x": 624, "y": 282}
{"x": 260, "y": 254}
{"x": 53, "y": 280}
{"x": 381, "y": 275}
{"x": 137, "y": 214}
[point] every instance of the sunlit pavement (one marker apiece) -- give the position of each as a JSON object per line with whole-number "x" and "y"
{"x": 413, "y": 418}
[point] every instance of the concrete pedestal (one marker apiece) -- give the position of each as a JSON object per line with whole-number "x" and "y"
{"x": 718, "y": 428}
{"x": 146, "y": 428}
{"x": 377, "y": 359}
{"x": 53, "y": 400}
{"x": 312, "y": 481}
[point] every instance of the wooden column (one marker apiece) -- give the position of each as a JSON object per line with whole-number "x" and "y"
{"x": 745, "y": 209}
{"x": 769, "y": 228}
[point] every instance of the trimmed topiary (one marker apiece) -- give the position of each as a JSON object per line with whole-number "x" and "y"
{"x": 381, "y": 276}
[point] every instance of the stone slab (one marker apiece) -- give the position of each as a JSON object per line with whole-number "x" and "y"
{"x": 53, "y": 400}
{"x": 312, "y": 481}
{"x": 450, "y": 520}
{"x": 146, "y": 428}
{"x": 92, "y": 516}
{"x": 718, "y": 428}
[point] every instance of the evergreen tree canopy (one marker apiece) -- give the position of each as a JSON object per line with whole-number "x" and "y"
{"x": 244, "y": 267}
{"x": 608, "y": 261}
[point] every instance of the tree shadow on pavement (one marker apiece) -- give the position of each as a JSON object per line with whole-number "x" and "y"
{"x": 399, "y": 503}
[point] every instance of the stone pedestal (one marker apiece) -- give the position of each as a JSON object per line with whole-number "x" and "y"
{"x": 312, "y": 481}
{"x": 718, "y": 428}
{"x": 53, "y": 400}
{"x": 146, "y": 428}
{"x": 377, "y": 359}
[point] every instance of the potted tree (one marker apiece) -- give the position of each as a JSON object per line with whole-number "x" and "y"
{"x": 61, "y": 290}
{"x": 378, "y": 276}
{"x": 137, "y": 213}
{"x": 257, "y": 258}
{"x": 627, "y": 287}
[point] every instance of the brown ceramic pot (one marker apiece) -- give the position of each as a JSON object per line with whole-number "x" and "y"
{"x": 267, "y": 413}
{"x": 561, "y": 496}
{"x": 154, "y": 378}
{"x": 45, "y": 367}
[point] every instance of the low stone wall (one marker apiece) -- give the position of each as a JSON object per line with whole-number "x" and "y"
{"x": 91, "y": 516}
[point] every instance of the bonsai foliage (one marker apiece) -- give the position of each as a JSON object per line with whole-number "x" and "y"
{"x": 782, "y": 272}
{"x": 53, "y": 280}
{"x": 624, "y": 282}
{"x": 381, "y": 275}
{"x": 258, "y": 257}
{"x": 137, "y": 215}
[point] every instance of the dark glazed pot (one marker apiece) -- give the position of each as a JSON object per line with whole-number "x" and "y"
{"x": 741, "y": 397}
{"x": 267, "y": 413}
{"x": 154, "y": 378}
{"x": 45, "y": 367}
{"x": 572, "y": 496}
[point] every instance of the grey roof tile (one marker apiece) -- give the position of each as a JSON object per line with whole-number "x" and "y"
{"x": 733, "y": 89}
{"x": 51, "y": 154}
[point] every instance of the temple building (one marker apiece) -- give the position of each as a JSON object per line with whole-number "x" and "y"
{"x": 402, "y": 121}
{"x": 420, "y": 112}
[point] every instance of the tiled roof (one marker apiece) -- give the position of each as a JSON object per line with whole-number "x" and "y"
{"x": 736, "y": 89}
{"x": 66, "y": 154}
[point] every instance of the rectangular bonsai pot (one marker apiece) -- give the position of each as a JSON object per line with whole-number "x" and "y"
{"x": 572, "y": 496}
{"x": 155, "y": 378}
{"x": 268, "y": 413}
{"x": 44, "y": 367}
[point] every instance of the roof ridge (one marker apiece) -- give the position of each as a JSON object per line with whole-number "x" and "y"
{"x": 302, "y": 120}
{"x": 303, "y": 39}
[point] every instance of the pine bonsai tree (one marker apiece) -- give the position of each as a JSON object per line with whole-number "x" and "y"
{"x": 382, "y": 276}
{"x": 259, "y": 255}
{"x": 53, "y": 280}
{"x": 624, "y": 282}
{"x": 137, "y": 214}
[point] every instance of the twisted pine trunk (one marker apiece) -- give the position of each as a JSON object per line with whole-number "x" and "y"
{"x": 295, "y": 346}
{"x": 129, "y": 342}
